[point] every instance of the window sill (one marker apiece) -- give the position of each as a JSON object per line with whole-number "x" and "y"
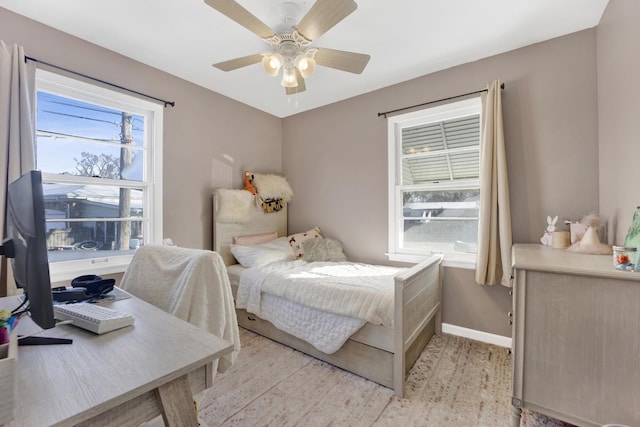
{"x": 465, "y": 261}
{"x": 68, "y": 270}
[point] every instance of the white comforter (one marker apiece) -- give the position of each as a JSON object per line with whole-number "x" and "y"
{"x": 321, "y": 303}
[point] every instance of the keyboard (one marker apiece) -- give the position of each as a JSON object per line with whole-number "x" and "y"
{"x": 93, "y": 317}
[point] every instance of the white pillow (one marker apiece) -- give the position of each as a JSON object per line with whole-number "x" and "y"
{"x": 254, "y": 239}
{"x": 281, "y": 243}
{"x": 261, "y": 255}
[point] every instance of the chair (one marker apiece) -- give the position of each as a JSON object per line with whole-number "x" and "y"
{"x": 191, "y": 284}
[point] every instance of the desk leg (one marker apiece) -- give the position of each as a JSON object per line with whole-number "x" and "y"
{"x": 178, "y": 409}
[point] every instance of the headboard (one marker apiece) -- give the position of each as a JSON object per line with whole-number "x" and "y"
{"x": 259, "y": 222}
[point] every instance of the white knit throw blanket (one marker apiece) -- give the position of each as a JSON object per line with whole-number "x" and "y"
{"x": 191, "y": 284}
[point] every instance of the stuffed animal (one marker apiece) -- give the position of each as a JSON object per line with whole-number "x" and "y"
{"x": 551, "y": 227}
{"x": 248, "y": 184}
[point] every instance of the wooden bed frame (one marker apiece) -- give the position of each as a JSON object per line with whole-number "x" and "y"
{"x": 381, "y": 354}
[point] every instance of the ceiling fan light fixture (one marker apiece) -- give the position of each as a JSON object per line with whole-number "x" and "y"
{"x": 289, "y": 76}
{"x": 272, "y": 63}
{"x": 291, "y": 43}
{"x": 305, "y": 65}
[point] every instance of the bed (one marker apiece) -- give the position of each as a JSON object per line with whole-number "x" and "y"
{"x": 383, "y": 354}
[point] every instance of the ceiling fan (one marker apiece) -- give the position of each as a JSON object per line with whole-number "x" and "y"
{"x": 291, "y": 49}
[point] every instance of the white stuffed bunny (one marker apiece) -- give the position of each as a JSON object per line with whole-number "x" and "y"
{"x": 551, "y": 227}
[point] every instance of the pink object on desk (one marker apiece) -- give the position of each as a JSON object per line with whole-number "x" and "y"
{"x": 4, "y": 335}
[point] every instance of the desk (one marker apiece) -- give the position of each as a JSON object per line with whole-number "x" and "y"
{"x": 121, "y": 378}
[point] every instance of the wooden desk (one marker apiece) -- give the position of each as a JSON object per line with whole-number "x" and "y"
{"x": 576, "y": 337}
{"x": 121, "y": 378}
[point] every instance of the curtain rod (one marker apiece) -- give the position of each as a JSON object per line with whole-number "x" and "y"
{"x": 433, "y": 102}
{"x": 28, "y": 58}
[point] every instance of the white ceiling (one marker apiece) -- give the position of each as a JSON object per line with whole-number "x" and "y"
{"x": 405, "y": 38}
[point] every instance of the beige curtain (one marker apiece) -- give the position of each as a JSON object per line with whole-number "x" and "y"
{"x": 493, "y": 265}
{"x": 17, "y": 127}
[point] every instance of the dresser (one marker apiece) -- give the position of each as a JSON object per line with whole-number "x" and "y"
{"x": 576, "y": 337}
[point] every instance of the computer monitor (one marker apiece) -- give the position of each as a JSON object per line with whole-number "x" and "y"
{"x": 26, "y": 245}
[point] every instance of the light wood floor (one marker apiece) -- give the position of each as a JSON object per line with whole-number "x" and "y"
{"x": 455, "y": 382}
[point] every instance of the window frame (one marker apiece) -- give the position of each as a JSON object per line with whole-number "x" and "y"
{"x": 57, "y": 84}
{"x": 395, "y": 124}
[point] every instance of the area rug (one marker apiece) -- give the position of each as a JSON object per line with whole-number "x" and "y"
{"x": 455, "y": 382}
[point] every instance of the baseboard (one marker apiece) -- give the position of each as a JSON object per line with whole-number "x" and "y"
{"x": 473, "y": 334}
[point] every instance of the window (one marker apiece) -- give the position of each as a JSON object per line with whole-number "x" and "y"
{"x": 434, "y": 187}
{"x": 100, "y": 156}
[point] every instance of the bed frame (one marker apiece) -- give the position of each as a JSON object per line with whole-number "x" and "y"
{"x": 379, "y": 353}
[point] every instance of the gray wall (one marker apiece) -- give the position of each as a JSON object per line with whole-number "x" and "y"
{"x": 619, "y": 115}
{"x": 198, "y": 131}
{"x": 336, "y": 158}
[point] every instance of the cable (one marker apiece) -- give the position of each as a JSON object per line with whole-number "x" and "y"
{"x": 16, "y": 312}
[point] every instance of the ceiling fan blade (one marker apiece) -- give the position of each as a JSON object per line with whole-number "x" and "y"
{"x": 242, "y": 16}
{"x": 300, "y": 88}
{"x": 341, "y": 60}
{"x": 323, "y": 15}
{"x": 234, "y": 64}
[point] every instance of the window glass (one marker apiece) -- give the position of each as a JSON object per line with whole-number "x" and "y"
{"x": 80, "y": 138}
{"x": 97, "y": 123}
{"x": 94, "y": 147}
{"x": 90, "y": 218}
{"x": 441, "y": 221}
{"x": 434, "y": 191}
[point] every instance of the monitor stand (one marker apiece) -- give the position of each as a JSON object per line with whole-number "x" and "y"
{"x": 42, "y": 340}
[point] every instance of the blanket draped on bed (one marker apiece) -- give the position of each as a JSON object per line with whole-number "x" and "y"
{"x": 351, "y": 289}
{"x": 191, "y": 284}
{"x": 322, "y": 303}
